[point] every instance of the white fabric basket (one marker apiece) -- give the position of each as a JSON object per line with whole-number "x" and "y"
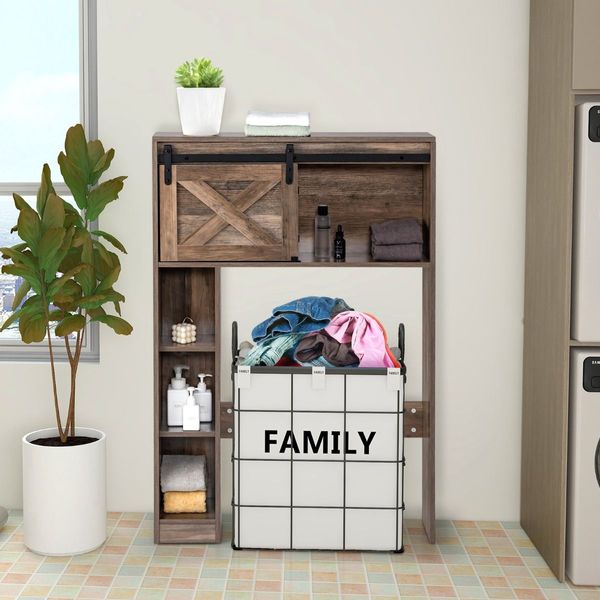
{"x": 337, "y": 482}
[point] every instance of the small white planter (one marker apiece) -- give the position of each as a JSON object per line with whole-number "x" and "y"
{"x": 64, "y": 494}
{"x": 200, "y": 110}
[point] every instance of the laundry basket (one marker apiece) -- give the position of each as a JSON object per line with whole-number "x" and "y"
{"x": 318, "y": 457}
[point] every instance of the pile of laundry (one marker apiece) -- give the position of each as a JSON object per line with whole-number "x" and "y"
{"x": 319, "y": 331}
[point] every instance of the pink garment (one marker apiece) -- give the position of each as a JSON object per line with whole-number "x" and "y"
{"x": 366, "y": 336}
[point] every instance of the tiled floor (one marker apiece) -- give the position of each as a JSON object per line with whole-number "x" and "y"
{"x": 471, "y": 560}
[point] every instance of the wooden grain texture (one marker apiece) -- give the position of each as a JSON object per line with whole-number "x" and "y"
{"x": 547, "y": 280}
{"x": 428, "y": 349}
{"x": 289, "y": 204}
{"x": 168, "y": 217}
{"x": 156, "y": 400}
{"x": 242, "y": 201}
{"x": 227, "y": 420}
{"x": 586, "y": 45}
{"x": 227, "y": 211}
{"x": 414, "y": 422}
{"x": 358, "y": 196}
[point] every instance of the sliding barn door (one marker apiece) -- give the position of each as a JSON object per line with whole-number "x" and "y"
{"x": 227, "y": 212}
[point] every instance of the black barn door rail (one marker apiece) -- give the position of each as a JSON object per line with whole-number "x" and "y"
{"x": 169, "y": 158}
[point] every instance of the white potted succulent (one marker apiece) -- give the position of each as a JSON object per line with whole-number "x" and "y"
{"x": 200, "y": 97}
{"x": 68, "y": 276}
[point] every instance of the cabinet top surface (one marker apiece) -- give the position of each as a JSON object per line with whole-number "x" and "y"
{"x": 314, "y": 137}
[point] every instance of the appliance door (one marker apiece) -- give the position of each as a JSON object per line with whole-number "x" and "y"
{"x": 585, "y": 322}
{"x": 583, "y": 520}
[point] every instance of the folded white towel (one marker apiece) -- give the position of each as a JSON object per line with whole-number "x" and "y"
{"x": 183, "y": 473}
{"x": 270, "y": 119}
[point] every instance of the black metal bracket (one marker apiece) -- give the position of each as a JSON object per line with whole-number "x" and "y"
{"x": 168, "y": 158}
{"x": 289, "y": 164}
{"x": 168, "y": 162}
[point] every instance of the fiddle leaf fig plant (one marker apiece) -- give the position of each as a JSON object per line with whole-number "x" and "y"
{"x": 68, "y": 271}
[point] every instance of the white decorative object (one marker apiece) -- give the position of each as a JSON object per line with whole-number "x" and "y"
{"x": 64, "y": 494}
{"x": 184, "y": 332}
{"x": 201, "y": 110}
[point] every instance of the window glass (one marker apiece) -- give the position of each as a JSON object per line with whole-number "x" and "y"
{"x": 39, "y": 86}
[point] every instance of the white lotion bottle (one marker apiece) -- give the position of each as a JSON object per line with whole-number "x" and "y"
{"x": 203, "y": 398}
{"x": 176, "y": 397}
{"x": 191, "y": 413}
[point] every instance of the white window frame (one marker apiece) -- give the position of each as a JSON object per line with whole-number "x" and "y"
{"x": 16, "y": 350}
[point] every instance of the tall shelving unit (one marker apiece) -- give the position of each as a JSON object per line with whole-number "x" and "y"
{"x": 231, "y": 200}
{"x": 564, "y": 59}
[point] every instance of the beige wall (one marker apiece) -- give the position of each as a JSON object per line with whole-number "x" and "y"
{"x": 457, "y": 69}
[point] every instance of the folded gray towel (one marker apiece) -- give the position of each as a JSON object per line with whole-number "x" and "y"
{"x": 397, "y": 231}
{"x": 183, "y": 473}
{"x": 397, "y": 252}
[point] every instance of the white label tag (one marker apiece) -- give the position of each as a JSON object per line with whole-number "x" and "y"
{"x": 243, "y": 377}
{"x": 394, "y": 380}
{"x": 318, "y": 378}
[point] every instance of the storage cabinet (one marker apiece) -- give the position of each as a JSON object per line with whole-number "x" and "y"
{"x": 230, "y": 200}
{"x": 563, "y": 72}
{"x": 226, "y": 212}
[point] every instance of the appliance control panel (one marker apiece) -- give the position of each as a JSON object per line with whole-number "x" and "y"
{"x": 591, "y": 374}
{"x": 594, "y": 123}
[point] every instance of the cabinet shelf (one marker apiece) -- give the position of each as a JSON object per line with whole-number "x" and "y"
{"x": 203, "y": 343}
{"x": 207, "y": 430}
{"x": 305, "y": 261}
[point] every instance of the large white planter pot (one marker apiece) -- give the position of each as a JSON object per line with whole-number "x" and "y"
{"x": 200, "y": 110}
{"x": 64, "y": 494}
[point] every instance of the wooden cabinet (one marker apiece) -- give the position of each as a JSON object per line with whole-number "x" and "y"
{"x": 586, "y": 45}
{"x": 226, "y": 212}
{"x": 231, "y": 200}
{"x": 564, "y": 70}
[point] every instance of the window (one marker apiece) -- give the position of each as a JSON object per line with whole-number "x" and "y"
{"x": 48, "y": 83}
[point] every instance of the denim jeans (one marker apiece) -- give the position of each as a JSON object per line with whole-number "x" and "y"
{"x": 299, "y": 316}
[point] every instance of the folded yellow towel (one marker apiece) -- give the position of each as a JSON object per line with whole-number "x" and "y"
{"x": 184, "y": 502}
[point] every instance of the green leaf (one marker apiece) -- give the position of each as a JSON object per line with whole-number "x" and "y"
{"x": 111, "y": 239}
{"x": 49, "y": 245}
{"x": 77, "y": 149}
{"x": 58, "y": 284}
{"x": 18, "y": 256}
{"x": 54, "y": 264}
{"x": 99, "y": 197}
{"x": 32, "y": 327}
{"x": 107, "y": 282}
{"x": 68, "y": 297}
{"x": 31, "y": 276}
{"x": 11, "y": 319}
{"x": 86, "y": 278}
{"x": 21, "y": 292}
{"x": 56, "y": 315}
{"x": 101, "y": 165}
{"x": 28, "y": 224}
{"x": 46, "y": 188}
{"x": 76, "y": 180}
{"x": 119, "y": 325}
{"x": 95, "y": 151}
{"x": 70, "y": 324}
{"x": 54, "y": 212}
{"x": 97, "y": 300}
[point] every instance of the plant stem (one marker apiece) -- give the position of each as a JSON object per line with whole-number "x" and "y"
{"x": 62, "y": 433}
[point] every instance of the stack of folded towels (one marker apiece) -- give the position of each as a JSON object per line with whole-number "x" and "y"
{"x": 183, "y": 483}
{"x": 278, "y": 124}
{"x": 398, "y": 239}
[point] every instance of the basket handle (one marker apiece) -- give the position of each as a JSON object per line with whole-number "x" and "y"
{"x": 401, "y": 340}
{"x": 234, "y": 340}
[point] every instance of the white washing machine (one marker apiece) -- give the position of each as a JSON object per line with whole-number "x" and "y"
{"x": 583, "y": 520}
{"x": 585, "y": 314}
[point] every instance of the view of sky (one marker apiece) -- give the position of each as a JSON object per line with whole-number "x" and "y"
{"x": 39, "y": 100}
{"x": 39, "y": 84}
